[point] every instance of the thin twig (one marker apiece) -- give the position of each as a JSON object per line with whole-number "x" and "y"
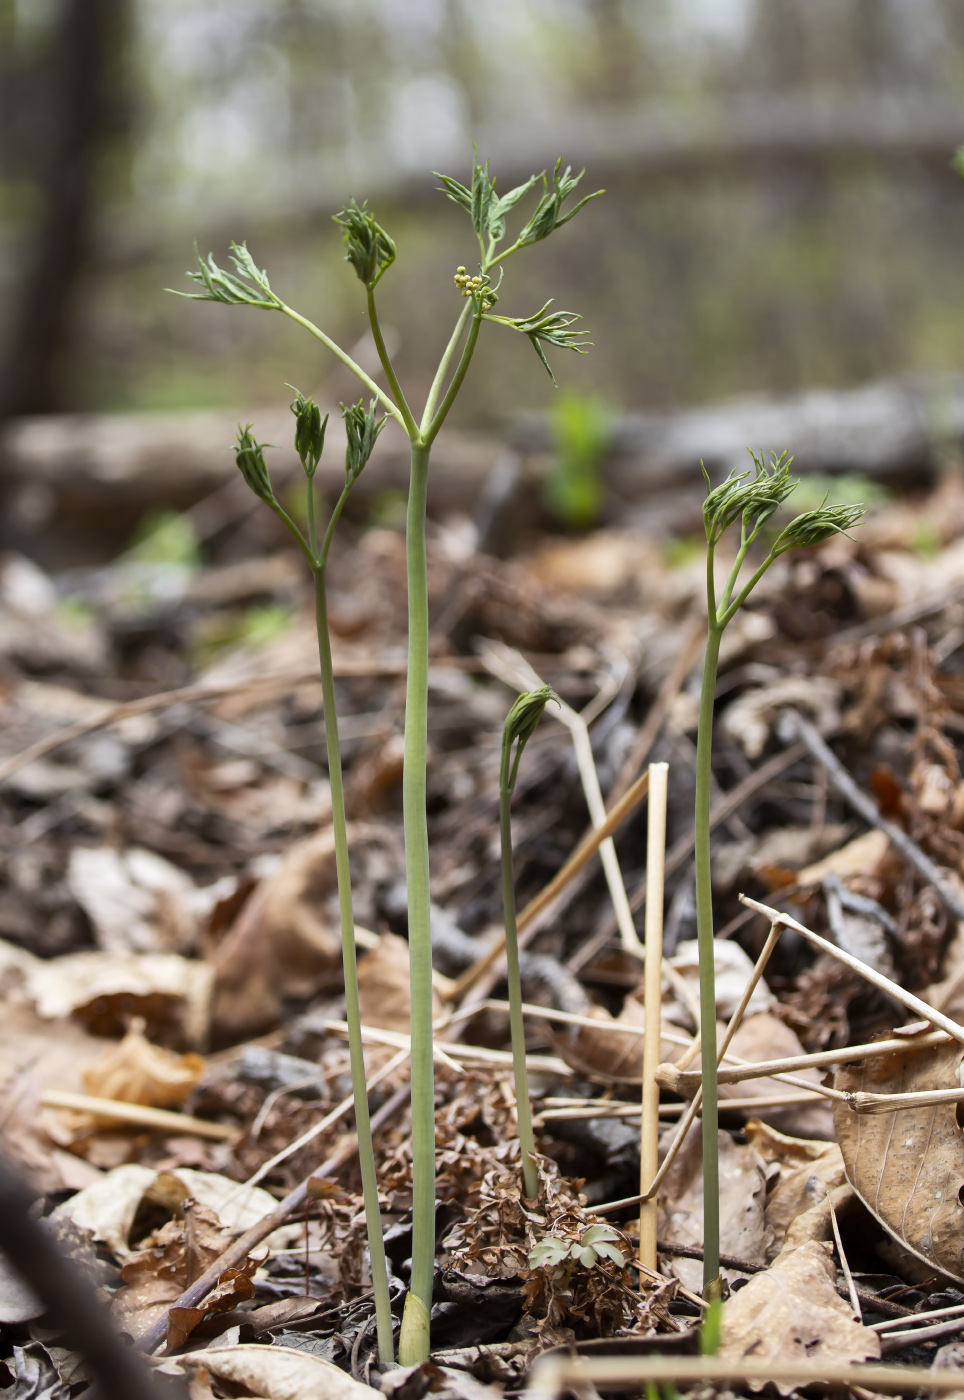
{"x": 685, "y": 1082}
{"x": 956, "y": 1311}
{"x": 324, "y": 1123}
{"x": 805, "y": 732}
{"x": 920, "y": 1008}
{"x": 841, "y": 1255}
{"x": 163, "y": 1119}
{"x": 689, "y": 1117}
{"x": 236, "y": 1253}
{"x": 553, "y": 1375}
{"x": 652, "y": 1007}
{"x": 680, "y": 852}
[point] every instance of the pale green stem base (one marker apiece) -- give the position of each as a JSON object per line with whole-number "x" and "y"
{"x": 704, "y": 933}
{"x": 366, "y": 1151}
{"x": 414, "y": 1342}
{"x": 530, "y": 1176}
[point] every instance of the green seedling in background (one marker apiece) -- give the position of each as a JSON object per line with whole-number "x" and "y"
{"x": 372, "y": 254}
{"x": 581, "y": 433}
{"x": 748, "y": 500}
{"x": 362, "y": 427}
{"x": 519, "y": 727}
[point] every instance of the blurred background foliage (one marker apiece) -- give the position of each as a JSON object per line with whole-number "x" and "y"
{"x": 780, "y": 210}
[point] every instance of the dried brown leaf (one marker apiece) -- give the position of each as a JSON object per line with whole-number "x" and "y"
{"x": 135, "y": 1071}
{"x": 275, "y": 1373}
{"x": 793, "y": 1312}
{"x": 908, "y": 1167}
{"x": 804, "y": 1170}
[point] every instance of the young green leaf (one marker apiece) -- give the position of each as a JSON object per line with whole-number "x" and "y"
{"x": 753, "y": 502}
{"x": 369, "y": 249}
{"x": 817, "y": 525}
{"x": 712, "y": 1330}
{"x": 309, "y": 431}
{"x": 361, "y": 431}
{"x": 519, "y": 727}
{"x": 550, "y": 327}
{"x": 548, "y": 215}
{"x": 224, "y": 287}
{"x": 249, "y": 455}
{"x": 549, "y": 1251}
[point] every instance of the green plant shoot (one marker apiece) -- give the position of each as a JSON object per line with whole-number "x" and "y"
{"x": 362, "y": 428}
{"x": 747, "y": 499}
{"x": 519, "y": 727}
{"x": 372, "y": 253}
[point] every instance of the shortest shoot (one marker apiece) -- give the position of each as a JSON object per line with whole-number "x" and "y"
{"x": 519, "y": 727}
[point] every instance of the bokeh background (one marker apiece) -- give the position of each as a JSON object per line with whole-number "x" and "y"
{"x": 780, "y": 210}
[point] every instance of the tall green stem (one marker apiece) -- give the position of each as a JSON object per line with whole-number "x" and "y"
{"x": 366, "y": 1151}
{"x": 527, "y": 1140}
{"x": 704, "y": 933}
{"x": 413, "y": 1345}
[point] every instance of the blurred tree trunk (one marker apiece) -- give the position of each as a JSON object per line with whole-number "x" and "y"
{"x": 75, "y": 101}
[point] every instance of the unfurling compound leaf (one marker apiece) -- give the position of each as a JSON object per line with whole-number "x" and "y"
{"x": 228, "y": 289}
{"x": 369, "y": 249}
{"x": 814, "y": 526}
{"x": 520, "y": 724}
{"x": 549, "y": 327}
{"x": 309, "y": 431}
{"x": 548, "y": 214}
{"x": 753, "y": 501}
{"x": 361, "y": 431}
{"x": 249, "y": 455}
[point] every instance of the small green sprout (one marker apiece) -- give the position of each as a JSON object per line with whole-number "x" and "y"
{"x": 748, "y": 500}
{"x": 548, "y": 215}
{"x": 519, "y": 728}
{"x": 370, "y": 250}
{"x": 595, "y": 1243}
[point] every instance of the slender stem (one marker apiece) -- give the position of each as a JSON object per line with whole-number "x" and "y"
{"x": 310, "y": 510}
{"x": 530, "y": 1177}
{"x": 293, "y": 530}
{"x": 414, "y": 1339}
{"x": 704, "y": 932}
{"x": 443, "y": 365}
{"x": 369, "y": 383}
{"x": 461, "y": 369}
{"x": 411, "y": 427}
{"x": 366, "y": 1152}
{"x": 339, "y": 507}
{"x": 744, "y": 593}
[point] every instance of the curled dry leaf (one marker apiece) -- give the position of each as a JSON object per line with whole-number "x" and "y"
{"x": 908, "y": 1167}
{"x": 104, "y": 990}
{"x": 800, "y": 1173}
{"x": 733, "y": 969}
{"x": 109, "y": 1207}
{"x": 383, "y": 986}
{"x": 792, "y": 1312}
{"x": 283, "y": 944}
{"x": 274, "y": 1373}
{"x": 234, "y": 1286}
{"x": 750, "y": 719}
{"x": 135, "y": 1071}
{"x": 157, "y": 1275}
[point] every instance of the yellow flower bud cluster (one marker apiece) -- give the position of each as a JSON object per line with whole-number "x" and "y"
{"x": 475, "y": 286}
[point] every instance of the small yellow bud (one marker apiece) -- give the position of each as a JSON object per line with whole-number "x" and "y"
{"x": 459, "y": 269}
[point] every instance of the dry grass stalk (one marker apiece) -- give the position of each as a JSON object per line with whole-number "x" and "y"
{"x": 652, "y": 1007}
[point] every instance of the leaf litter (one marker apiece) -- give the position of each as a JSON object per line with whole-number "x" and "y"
{"x": 168, "y": 909}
